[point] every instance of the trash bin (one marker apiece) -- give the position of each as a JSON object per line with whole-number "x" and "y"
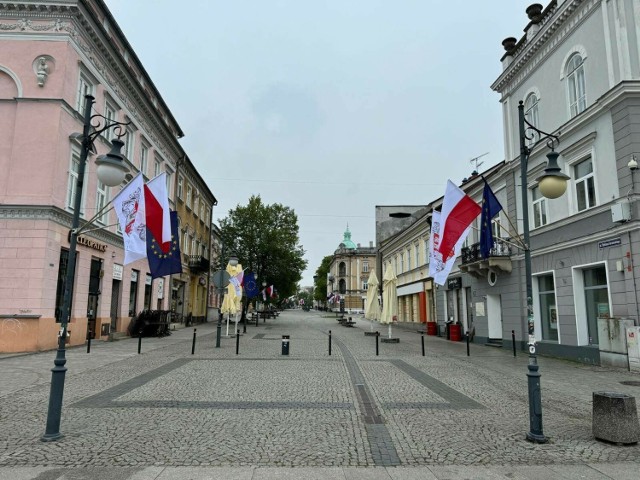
{"x": 285, "y": 344}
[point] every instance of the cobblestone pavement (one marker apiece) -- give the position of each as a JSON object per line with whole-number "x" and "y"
{"x": 169, "y": 414}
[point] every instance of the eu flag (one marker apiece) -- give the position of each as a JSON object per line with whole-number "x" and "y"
{"x": 490, "y": 208}
{"x": 160, "y": 263}
{"x": 250, "y": 285}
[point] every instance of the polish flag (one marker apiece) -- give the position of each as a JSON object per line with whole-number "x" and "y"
{"x": 157, "y": 211}
{"x": 458, "y": 211}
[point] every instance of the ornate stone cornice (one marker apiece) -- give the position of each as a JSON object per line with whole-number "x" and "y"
{"x": 556, "y": 27}
{"x": 56, "y": 215}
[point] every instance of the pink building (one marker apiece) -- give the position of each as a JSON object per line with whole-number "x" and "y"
{"x": 51, "y": 55}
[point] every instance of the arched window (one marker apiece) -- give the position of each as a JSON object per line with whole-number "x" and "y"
{"x": 342, "y": 285}
{"x": 531, "y": 114}
{"x": 342, "y": 269}
{"x": 576, "y": 84}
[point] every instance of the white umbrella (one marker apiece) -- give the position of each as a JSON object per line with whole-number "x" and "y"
{"x": 234, "y": 306}
{"x": 389, "y": 298}
{"x": 229, "y": 304}
{"x": 372, "y": 306}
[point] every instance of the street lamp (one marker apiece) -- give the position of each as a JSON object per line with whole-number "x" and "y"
{"x": 315, "y": 281}
{"x": 221, "y": 277}
{"x": 111, "y": 171}
{"x": 552, "y": 184}
{"x": 264, "y": 303}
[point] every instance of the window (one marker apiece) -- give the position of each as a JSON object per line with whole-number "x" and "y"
{"x": 102, "y": 194}
{"x": 144, "y": 158}
{"x": 194, "y": 245}
{"x": 427, "y": 259}
{"x": 85, "y": 87}
{"x": 185, "y": 243}
{"x": 342, "y": 269}
{"x": 365, "y": 267}
{"x": 596, "y": 299}
{"x": 417, "y": 249}
{"x": 548, "y": 311}
{"x": 74, "y": 171}
{"x": 531, "y": 114}
{"x": 408, "y": 260}
{"x": 342, "y": 286}
{"x": 539, "y": 208}
{"x": 401, "y": 263}
{"x": 189, "y": 195}
{"x": 169, "y": 184}
{"x": 195, "y": 204}
{"x": 202, "y": 209}
{"x": 133, "y": 292}
{"x": 110, "y": 115}
{"x": 129, "y": 143}
{"x": 156, "y": 168}
{"x": 180, "y": 187}
{"x": 585, "y": 184}
{"x": 365, "y": 285}
{"x": 576, "y": 85}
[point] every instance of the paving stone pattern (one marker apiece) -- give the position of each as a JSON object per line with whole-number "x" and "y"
{"x": 168, "y": 408}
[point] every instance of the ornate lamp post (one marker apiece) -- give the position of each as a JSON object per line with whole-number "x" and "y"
{"x": 111, "y": 171}
{"x": 264, "y": 303}
{"x": 552, "y": 184}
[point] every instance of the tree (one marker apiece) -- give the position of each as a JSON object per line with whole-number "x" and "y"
{"x": 265, "y": 239}
{"x": 320, "y": 290}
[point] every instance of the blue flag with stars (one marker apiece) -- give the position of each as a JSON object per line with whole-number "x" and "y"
{"x": 160, "y": 263}
{"x": 490, "y": 208}
{"x": 250, "y": 285}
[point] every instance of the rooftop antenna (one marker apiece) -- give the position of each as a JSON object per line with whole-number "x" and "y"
{"x": 478, "y": 164}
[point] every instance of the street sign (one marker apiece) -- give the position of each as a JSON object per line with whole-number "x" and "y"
{"x": 221, "y": 279}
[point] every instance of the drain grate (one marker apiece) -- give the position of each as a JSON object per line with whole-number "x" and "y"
{"x": 632, "y": 383}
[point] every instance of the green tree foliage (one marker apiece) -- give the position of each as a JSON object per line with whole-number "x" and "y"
{"x": 265, "y": 239}
{"x": 320, "y": 290}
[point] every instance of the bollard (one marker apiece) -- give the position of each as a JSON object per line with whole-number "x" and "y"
{"x": 139, "y": 342}
{"x": 285, "y": 344}
{"x": 377, "y": 337}
{"x": 237, "y": 342}
{"x": 89, "y": 342}
{"x": 244, "y": 325}
{"x": 329, "y": 342}
{"x": 468, "y": 353}
{"x": 513, "y": 340}
{"x": 193, "y": 345}
{"x": 422, "y": 344}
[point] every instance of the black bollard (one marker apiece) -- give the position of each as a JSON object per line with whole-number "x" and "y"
{"x": 193, "y": 345}
{"x": 139, "y": 342}
{"x": 422, "y": 344}
{"x": 513, "y": 341}
{"x": 89, "y": 342}
{"x": 329, "y": 342}
{"x": 377, "y": 337}
{"x": 237, "y": 341}
{"x": 244, "y": 325}
{"x": 468, "y": 353}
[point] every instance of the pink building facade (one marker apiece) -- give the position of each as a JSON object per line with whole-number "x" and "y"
{"x": 51, "y": 55}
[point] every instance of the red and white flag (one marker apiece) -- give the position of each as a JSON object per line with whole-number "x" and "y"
{"x": 129, "y": 205}
{"x": 157, "y": 211}
{"x": 458, "y": 211}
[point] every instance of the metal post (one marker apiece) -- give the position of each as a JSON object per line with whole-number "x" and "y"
{"x": 535, "y": 433}
{"x": 237, "y": 341}
{"x": 58, "y": 372}
{"x": 329, "y": 342}
{"x": 422, "y": 339}
{"x": 219, "y": 324}
{"x": 89, "y": 342}
{"x": 513, "y": 341}
{"x": 140, "y": 342}
{"x": 377, "y": 337}
{"x": 193, "y": 345}
{"x": 468, "y": 352}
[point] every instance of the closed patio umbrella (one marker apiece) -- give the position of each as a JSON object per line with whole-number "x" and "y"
{"x": 372, "y": 306}
{"x": 389, "y": 298}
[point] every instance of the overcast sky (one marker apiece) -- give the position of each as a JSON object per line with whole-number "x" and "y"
{"x": 329, "y": 107}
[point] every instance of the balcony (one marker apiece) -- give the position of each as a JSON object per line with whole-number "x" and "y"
{"x": 198, "y": 264}
{"x": 499, "y": 259}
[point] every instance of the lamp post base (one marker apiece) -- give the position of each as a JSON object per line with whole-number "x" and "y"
{"x": 535, "y": 433}
{"x": 532, "y": 437}
{"x": 218, "y": 332}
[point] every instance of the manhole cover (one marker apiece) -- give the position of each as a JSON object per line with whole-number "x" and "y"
{"x": 633, "y": 383}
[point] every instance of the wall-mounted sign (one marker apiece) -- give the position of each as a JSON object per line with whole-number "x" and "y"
{"x": 160, "y": 288}
{"x": 148, "y": 280}
{"x": 117, "y": 271}
{"x": 88, "y": 242}
{"x": 134, "y": 275}
{"x": 614, "y": 242}
{"x": 454, "y": 283}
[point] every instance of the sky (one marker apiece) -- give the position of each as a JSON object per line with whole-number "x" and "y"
{"x": 330, "y": 107}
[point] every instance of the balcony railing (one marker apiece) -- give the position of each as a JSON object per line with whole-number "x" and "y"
{"x": 198, "y": 263}
{"x": 499, "y": 258}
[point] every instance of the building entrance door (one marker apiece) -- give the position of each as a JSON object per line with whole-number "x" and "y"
{"x": 94, "y": 295}
{"x": 115, "y": 304}
{"x": 494, "y": 317}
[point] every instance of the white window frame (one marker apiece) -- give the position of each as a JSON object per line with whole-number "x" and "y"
{"x": 86, "y": 86}
{"x": 365, "y": 266}
{"x": 156, "y": 167}
{"x": 189, "y": 196}
{"x": 180, "y": 191}
{"x": 577, "y": 273}
{"x": 408, "y": 259}
{"x": 365, "y": 285}
{"x": 111, "y": 114}
{"x": 531, "y": 114}
{"x": 72, "y": 182}
{"x": 576, "y": 85}
{"x": 185, "y": 242}
{"x": 102, "y": 198}
{"x": 539, "y": 208}
{"x": 144, "y": 157}
{"x": 590, "y": 177}
{"x": 416, "y": 248}
{"x": 129, "y": 144}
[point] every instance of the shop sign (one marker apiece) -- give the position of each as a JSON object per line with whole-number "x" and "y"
{"x": 454, "y": 283}
{"x": 134, "y": 275}
{"x": 614, "y": 242}
{"x": 117, "y": 271}
{"x": 148, "y": 280}
{"x": 160, "y": 288}
{"x": 87, "y": 242}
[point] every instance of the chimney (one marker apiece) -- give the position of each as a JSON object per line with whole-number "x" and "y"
{"x": 370, "y": 243}
{"x": 358, "y": 245}
{"x": 509, "y": 45}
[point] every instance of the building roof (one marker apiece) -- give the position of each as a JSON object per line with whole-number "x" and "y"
{"x": 347, "y": 243}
